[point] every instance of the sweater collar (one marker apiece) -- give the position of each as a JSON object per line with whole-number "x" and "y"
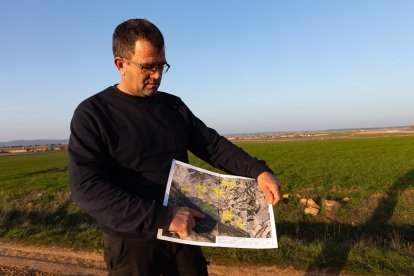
{"x": 133, "y": 99}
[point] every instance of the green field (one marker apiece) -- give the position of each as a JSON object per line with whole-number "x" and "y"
{"x": 373, "y": 232}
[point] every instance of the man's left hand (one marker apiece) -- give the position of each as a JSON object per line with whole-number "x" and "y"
{"x": 269, "y": 186}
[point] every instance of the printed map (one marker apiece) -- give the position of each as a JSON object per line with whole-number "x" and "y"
{"x": 237, "y": 214}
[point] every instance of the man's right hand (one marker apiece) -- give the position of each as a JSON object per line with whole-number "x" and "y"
{"x": 184, "y": 220}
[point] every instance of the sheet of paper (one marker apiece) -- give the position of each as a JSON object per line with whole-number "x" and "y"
{"x": 237, "y": 214}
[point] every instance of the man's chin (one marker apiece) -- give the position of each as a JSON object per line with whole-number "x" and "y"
{"x": 150, "y": 93}
{"x": 151, "y": 90}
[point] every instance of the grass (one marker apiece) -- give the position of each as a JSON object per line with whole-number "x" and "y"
{"x": 35, "y": 203}
{"x": 372, "y": 233}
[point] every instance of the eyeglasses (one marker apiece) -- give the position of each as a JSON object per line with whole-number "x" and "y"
{"x": 162, "y": 68}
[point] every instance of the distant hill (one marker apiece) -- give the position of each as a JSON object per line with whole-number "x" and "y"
{"x": 33, "y": 142}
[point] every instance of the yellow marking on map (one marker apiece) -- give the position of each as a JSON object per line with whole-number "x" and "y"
{"x": 201, "y": 191}
{"x": 227, "y": 215}
{"x": 229, "y": 183}
{"x": 201, "y": 188}
{"x": 239, "y": 224}
{"x": 187, "y": 189}
{"x": 237, "y": 221}
{"x": 219, "y": 193}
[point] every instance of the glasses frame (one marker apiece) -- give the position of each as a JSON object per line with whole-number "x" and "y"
{"x": 151, "y": 69}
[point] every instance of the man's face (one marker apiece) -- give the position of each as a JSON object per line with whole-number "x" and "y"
{"x": 136, "y": 81}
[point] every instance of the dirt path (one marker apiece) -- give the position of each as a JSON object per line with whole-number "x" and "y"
{"x": 20, "y": 259}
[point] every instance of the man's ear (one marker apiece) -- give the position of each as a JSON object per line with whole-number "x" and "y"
{"x": 120, "y": 65}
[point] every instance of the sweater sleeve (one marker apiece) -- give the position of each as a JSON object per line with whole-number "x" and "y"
{"x": 219, "y": 152}
{"x": 116, "y": 210}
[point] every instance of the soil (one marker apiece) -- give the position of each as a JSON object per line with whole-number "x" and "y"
{"x": 25, "y": 260}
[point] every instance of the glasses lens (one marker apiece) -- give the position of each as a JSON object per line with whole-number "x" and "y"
{"x": 165, "y": 68}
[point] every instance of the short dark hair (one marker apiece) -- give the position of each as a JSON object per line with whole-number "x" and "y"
{"x": 128, "y": 32}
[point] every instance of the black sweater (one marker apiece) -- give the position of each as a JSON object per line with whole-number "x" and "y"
{"x": 121, "y": 148}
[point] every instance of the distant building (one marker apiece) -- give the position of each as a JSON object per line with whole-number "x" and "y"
{"x": 34, "y": 148}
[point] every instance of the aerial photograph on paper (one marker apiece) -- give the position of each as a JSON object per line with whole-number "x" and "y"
{"x": 237, "y": 214}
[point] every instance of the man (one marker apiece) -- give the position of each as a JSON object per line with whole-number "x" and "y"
{"x": 122, "y": 143}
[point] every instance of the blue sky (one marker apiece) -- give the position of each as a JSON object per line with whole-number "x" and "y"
{"x": 241, "y": 66}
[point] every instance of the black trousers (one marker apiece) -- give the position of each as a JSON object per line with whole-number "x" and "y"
{"x": 152, "y": 258}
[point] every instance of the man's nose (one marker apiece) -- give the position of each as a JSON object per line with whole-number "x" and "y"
{"x": 156, "y": 74}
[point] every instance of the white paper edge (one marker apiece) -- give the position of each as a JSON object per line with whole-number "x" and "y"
{"x": 271, "y": 243}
